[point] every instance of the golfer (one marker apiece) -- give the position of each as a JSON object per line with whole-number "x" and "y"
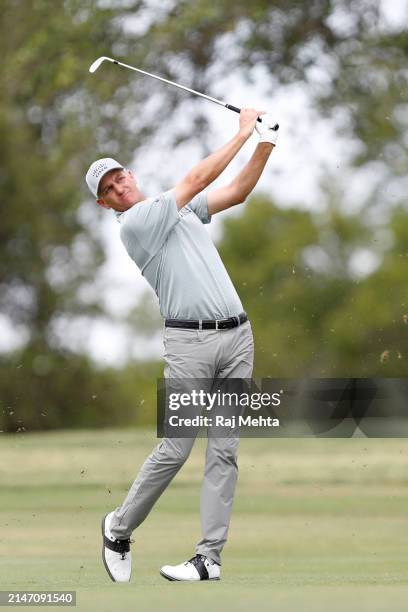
{"x": 207, "y": 333}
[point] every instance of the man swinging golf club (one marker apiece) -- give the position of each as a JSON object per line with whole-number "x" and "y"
{"x": 207, "y": 333}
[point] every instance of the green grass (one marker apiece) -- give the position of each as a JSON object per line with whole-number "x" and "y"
{"x": 318, "y": 524}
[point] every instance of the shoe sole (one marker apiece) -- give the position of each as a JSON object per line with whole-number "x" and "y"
{"x": 167, "y": 577}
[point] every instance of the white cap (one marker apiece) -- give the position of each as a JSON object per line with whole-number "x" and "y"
{"x": 97, "y": 171}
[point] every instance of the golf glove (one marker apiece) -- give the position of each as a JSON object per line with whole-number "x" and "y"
{"x": 265, "y": 129}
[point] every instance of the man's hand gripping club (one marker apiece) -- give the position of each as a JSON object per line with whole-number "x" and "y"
{"x": 206, "y": 171}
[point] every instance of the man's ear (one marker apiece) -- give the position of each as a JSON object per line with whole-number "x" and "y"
{"x": 102, "y": 203}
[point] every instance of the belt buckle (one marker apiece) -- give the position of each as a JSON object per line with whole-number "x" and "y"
{"x": 216, "y": 324}
{"x": 200, "y": 324}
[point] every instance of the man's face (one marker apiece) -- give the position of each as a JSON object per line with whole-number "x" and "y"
{"x": 118, "y": 190}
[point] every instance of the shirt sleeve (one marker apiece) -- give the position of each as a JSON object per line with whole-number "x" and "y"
{"x": 146, "y": 226}
{"x": 199, "y": 205}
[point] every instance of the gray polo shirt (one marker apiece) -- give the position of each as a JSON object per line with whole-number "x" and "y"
{"x": 177, "y": 257}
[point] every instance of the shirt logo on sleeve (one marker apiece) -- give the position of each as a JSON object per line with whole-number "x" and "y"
{"x": 184, "y": 211}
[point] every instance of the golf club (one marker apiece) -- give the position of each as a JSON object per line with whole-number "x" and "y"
{"x": 102, "y": 59}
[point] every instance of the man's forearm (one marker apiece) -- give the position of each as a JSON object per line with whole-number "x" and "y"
{"x": 207, "y": 170}
{"x": 246, "y": 180}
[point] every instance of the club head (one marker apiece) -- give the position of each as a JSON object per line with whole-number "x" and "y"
{"x": 98, "y": 62}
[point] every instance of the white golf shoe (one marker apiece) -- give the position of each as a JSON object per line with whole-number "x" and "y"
{"x": 116, "y": 554}
{"x": 197, "y": 568}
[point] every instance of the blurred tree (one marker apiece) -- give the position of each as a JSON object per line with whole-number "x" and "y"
{"x": 51, "y": 391}
{"x": 50, "y": 129}
{"x": 54, "y": 120}
{"x": 311, "y": 315}
{"x": 371, "y": 327}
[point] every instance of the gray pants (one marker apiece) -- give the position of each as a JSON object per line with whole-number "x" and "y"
{"x": 194, "y": 354}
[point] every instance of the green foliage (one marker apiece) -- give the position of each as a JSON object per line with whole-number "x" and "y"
{"x": 54, "y": 121}
{"x": 310, "y": 320}
{"x": 52, "y": 391}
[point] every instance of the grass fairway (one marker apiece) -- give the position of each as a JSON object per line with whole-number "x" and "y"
{"x": 318, "y": 524}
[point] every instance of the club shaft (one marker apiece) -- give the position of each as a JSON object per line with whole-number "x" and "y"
{"x": 193, "y": 91}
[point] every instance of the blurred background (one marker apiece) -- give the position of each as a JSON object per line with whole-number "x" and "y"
{"x": 319, "y": 251}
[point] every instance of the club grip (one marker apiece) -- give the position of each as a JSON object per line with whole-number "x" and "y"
{"x": 238, "y": 110}
{"x": 233, "y": 108}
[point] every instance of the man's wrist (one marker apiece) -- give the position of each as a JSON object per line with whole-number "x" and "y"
{"x": 244, "y": 135}
{"x": 266, "y": 145}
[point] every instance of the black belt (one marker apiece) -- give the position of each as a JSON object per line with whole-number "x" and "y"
{"x": 207, "y": 323}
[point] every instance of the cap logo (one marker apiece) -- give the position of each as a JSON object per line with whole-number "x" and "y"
{"x": 97, "y": 171}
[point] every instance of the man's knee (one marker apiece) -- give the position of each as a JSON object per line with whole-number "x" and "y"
{"x": 224, "y": 449}
{"x": 176, "y": 450}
